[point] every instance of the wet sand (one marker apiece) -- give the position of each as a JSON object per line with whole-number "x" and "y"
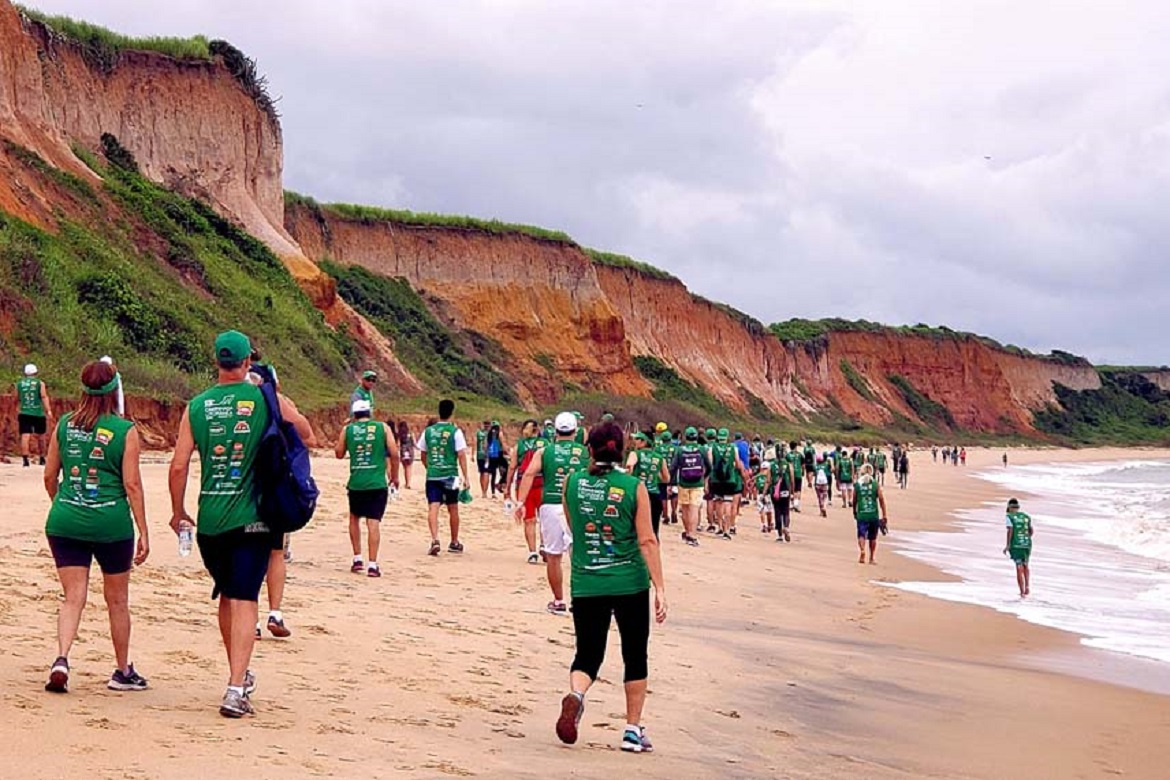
{"x": 776, "y": 661}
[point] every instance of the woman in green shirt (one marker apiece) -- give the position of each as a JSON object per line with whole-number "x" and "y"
{"x": 92, "y": 476}
{"x": 615, "y": 558}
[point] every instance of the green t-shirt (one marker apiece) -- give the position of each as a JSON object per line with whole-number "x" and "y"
{"x": 1020, "y": 524}
{"x": 648, "y": 469}
{"x": 866, "y": 507}
{"x": 580, "y": 436}
{"x": 606, "y": 558}
{"x": 28, "y": 390}
{"x": 723, "y": 464}
{"x": 227, "y": 422}
{"x": 796, "y": 460}
{"x": 880, "y": 461}
{"x": 557, "y": 462}
{"x": 824, "y": 473}
{"x": 782, "y": 475}
{"x": 362, "y": 394}
{"x": 761, "y": 482}
{"x": 365, "y": 440}
{"x": 845, "y": 470}
{"x": 442, "y": 459}
{"x": 91, "y": 503}
{"x": 481, "y": 444}
{"x": 527, "y": 445}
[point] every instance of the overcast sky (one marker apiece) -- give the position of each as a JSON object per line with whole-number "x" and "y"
{"x": 992, "y": 165}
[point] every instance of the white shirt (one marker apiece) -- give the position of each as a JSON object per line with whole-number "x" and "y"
{"x": 460, "y": 441}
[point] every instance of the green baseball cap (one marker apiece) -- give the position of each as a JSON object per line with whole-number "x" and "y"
{"x": 639, "y": 436}
{"x": 578, "y": 415}
{"x": 709, "y": 433}
{"x": 691, "y": 432}
{"x": 664, "y": 436}
{"x": 607, "y": 417}
{"x": 369, "y": 374}
{"x": 723, "y": 434}
{"x": 232, "y": 347}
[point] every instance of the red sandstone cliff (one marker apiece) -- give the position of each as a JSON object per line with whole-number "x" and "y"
{"x": 540, "y": 299}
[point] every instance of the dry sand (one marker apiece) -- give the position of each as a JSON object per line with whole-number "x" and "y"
{"x": 776, "y": 661}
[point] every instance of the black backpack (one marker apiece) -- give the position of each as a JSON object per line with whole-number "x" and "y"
{"x": 723, "y": 469}
{"x": 284, "y": 478}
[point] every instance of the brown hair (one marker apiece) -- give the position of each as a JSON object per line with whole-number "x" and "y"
{"x": 606, "y": 445}
{"x": 95, "y": 375}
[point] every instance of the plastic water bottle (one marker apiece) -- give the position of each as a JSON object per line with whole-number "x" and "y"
{"x": 393, "y": 492}
{"x": 509, "y": 506}
{"x": 186, "y": 538}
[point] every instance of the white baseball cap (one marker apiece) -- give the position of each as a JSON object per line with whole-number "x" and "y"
{"x": 566, "y": 422}
{"x": 30, "y": 369}
{"x": 109, "y": 361}
{"x": 361, "y": 406}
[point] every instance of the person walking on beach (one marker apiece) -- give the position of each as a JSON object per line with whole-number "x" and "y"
{"x": 35, "y": 413}
{"x": 668, "y": 449}
{"x": 782, "y": 480}
{"x": 481, "y": 457}
{"x": 1019, "y": 545}
{"x": 615, "y": 561}
{"x": 365, "y": 389}
{"x": 904, "y": 469}
{"x": 869, "y": 510}
{"x": 845, "y": 479}
{"x": 690, "y": 469}
{"x": 405, "y": 451}
{"x": 647, "y": 464}
{"x": 93, "y": 479}
{"x": 1005, "y": 460}
{"x": 554, "y": 463}
{"x": 373, "y": 468}
{"x": 529, "y": 442}
{"x": 497, "y": 457}
{"x": 225, "y": 424}
{"x": 443, "y": 449}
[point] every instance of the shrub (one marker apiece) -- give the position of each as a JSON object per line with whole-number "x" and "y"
{"x": 669, "y": 386}
{"x": 928, "y": 410}
{"x": 857, "y": 381}
{"x": 622, "y": 261}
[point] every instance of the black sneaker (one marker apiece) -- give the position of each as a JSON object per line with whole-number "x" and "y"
{"x": 26, "y": 464}
{"x": 277, "y": 628}
{"x": 436, "y": 548}
{"x": 59, "y": 676}
{"x": 42, "y": 460}
{"x": 455, "y": 547}
{"x": 127, "y": 681}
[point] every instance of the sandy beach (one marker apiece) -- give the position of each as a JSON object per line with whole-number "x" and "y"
{"x": 776, "y": 661}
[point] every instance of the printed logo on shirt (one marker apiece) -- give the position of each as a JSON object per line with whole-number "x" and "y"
{"x": 217, "y": 429}
{"x": 616, "y": 494}
{"x": 242, "y": 427}
{"x": 103, "y": 435}
{"x": 245, "y": 408}
{"x": 97, "y": 453}
{"x": 611, "y": 511}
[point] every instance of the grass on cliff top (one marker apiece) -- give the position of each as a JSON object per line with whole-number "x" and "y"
{"x": 373, "y": 214}
{"x": 150, "y": 277}
{"x": 622, "y": 261}
{"x": 803, "y": 330}
{"x": 105, "y": 44}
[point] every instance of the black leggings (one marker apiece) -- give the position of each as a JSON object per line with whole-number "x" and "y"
{"x": 655, "y": 511}
{"x": 783, "y": 514}
{"x": 591, "y": 616}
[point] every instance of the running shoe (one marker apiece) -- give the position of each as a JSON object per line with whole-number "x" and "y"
{"x": 436, "y": 548}
{"x": 26, "y": 464}
{"x": 259, "y": 633}
{"x": 127, "y": 681}
{"x": 455, "y": 547}
{"x": 374, "y": 572}
{"x": 235, "y": 705}
{"x": 733, "y": 530}
{"x": 634, "y": 740}
{"x": 249, "y": 683}
{"x": 558, "y": 608}
{"x": 42, "y": 460}
{"x": 725, "y": 535}
{"x": 358, "y": 566}
{"x": 534, "y": 559}
{"x": 59, "y": 676}
{"x": 572, "y": 708}
{"x": 711, "y": 529}
{"x": 277, "y": 628}
{"x": 692, "y": 541}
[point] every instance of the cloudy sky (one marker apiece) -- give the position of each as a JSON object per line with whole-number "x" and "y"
{"x": 993, "y": 165}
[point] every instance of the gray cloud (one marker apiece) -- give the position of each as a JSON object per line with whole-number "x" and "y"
{"x": 791, "y": 158}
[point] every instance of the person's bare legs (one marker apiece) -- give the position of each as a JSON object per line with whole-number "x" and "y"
{"x": 872, "y": 551}
{"x": 1027, "y": 580}
{"x": 453, "y": 512}
{"x": 556, "y": 576}
{"x": 237, "y": 622}
{"x": 635, "y": 700}
{"x": 530, "y": 535}
{"x": 277, "y": 570}
{"x": 355, "y": 535}
{"x": 688, "y": 519}
{"x": 75, "y": 583}
{"x": 433, "y": 520}
{"x": 117, "y": 592}
{"x": 374, "y": 532}
{"x": 406, "y": 475}
{"x": 25, "y": 438}
{"x": 723, "y": 514}
{"x": 483, "y": 485}
{"x": 861, "y": 549}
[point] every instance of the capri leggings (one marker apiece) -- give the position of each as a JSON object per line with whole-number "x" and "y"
{"x": 591, "y": 616}
{"x": 655, "y": 511}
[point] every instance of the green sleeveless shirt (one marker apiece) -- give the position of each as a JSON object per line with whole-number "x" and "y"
{"x": 558, "y": 461}
{"x": 28, "y": 390}
{"x": 866, "y": 497}
{"x": 442, "y": 460}
{"x": 648, "y": 468}
{"x": 226, "y": 423}
{"x": 1020, "y": 524}
{"x": 365, "y": 440}
{"x": 606, "y": 558}
{"x": 91, "y": 503}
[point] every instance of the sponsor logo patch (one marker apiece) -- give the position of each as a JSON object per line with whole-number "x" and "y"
{"x": 242, "y": 428}
{"x": 103, "y": 435}
{"x": 97, "y": 453}
{"x": 245, "y": 408}
{"x": 611, "y": 511}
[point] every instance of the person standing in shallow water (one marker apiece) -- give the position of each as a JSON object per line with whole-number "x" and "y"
{"x": 92, "y": 477}
{"x": 1019, "y": 545}
{"x": 615, "y": 561}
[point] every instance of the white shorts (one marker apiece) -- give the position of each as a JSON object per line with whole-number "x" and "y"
{"x": 555, "y": 538}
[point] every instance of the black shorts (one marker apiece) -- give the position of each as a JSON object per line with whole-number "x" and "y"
{"x": 238, "y": 561}
{"x": 370, "y": 504}
{"x": 724, "y": 489}
{"x": 484, "y": 468}
{"x": 112, "y": 557}
{"x": 30, "y": 423}
{"x": 868, "y": 529}
{"x": 439, "y": 493}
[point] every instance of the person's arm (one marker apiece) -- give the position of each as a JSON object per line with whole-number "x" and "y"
{"x": 534, "y": 467}
{"x": 651, "y": 553}
{"x": 52, "y": 467}
{"x": 46, "y": 401}
{"x": 631, "y": 460}
{"x": 339, "y": 448}
{"x": 132, "y": 482}
{"x": 180, "y": 468}
{"x": 392, "y": 455}
{"x": 461, "y": 456}
{"x": 513, "y": 465}
{"x": 664, "y": 475}
{"x": 289, "y": 411}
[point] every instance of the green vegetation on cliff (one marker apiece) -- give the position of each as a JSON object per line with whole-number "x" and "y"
{"x": 440, "y": 356}
{"x": 670, "y": 386}
{"x": 140, "y": 273}
{"x": 928, "y": 410}
{"x": 1128, "y": 408}
{"x": 102, "y": 47}
{"x": 622, "y": 261}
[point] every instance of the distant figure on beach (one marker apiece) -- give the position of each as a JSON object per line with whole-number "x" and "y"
{"x": 615, "y": 560}
{"x": 904, "y": 470}
{"x": 963, "y": 456}
{"x": 35, "y": 413}
{"x": 1019, "y": 544}
{"x": 1005, "y": 460}
{"x": 869, "y": 510}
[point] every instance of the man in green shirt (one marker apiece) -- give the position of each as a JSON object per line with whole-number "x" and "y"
{"x": 869, "y": 510}
{"x": 35, "y": 413}
{"x": 554, "y": 463}
{"x": 365, "y": 389}
{"x": 373, "y": 467}
{"x": 225, "y": 423}
{"x": 845, "y": 479}
{"x": 481, "y": 457}
{"x": 689, "y": 469}
{"x": 1019, "y": 545}
{"x": 444, "y": 455}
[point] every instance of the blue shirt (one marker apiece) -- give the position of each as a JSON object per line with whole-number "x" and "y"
{"x": 744, "y": 451}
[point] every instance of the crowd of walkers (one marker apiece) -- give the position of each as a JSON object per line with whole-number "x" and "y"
{"x": 598, "y": 495}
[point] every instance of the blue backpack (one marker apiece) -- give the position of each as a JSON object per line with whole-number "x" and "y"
{"x": 288, "y": 494}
